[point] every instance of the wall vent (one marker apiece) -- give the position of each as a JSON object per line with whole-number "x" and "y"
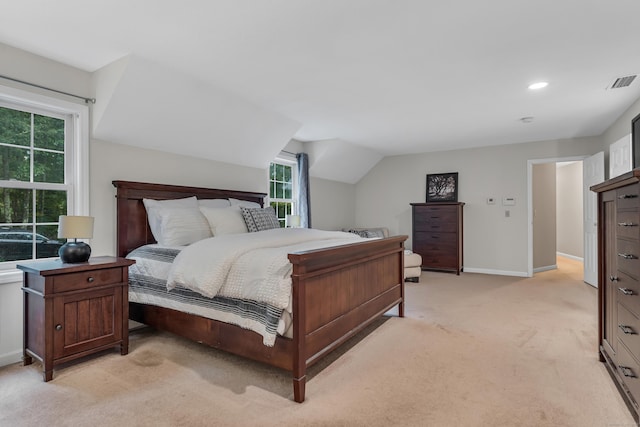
{"x": 623, "y": 82}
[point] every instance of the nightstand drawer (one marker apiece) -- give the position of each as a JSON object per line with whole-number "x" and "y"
{"x": 86, "y": 279}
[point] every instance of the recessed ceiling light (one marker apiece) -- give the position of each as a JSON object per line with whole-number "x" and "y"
{"x": 538, "y": 85}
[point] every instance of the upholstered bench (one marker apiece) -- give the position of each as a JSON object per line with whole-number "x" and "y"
{"x": 412, "y": 266}
{"x": 412, "y": 261}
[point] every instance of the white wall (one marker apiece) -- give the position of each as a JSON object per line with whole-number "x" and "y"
{"x": 569, "y": 210}
{"x": 332, "y": 204}
{"x": 620, "y": 127}
{"x": 111, "y": 162}
{"x": 492, "y": 242}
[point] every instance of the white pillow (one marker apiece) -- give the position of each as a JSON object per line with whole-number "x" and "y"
{"x": 181, "y": 226}
{"x": 244, "y": 203}
{"x": 227, "y": 220}
{"x": 214, "y": 203}
{"x": 154, "y": 209}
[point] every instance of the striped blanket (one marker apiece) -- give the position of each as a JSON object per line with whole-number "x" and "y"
{"x": 148, "y": 285}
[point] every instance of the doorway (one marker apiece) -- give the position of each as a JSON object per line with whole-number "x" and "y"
{"x": 555, "y": 212}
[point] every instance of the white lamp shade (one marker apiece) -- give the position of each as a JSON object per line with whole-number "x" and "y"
{"x": 75, "y": 227}
{"x": 293, "y": 220}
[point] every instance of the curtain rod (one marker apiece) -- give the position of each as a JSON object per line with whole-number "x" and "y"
{"x": 86, "y": 100}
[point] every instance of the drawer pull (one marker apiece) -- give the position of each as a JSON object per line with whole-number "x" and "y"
{"x": 614, "y": 279}
{"x": 626, "y": 291}
{"x": 627, "y": 196}
{"x": 627, "y": 256}
{"x": 90, "y": 279}
{"x": 58, "y": 327}
{"x": 435, "y": 217}
{"x": 626, "y": 371}
{"x": 626, "y": 224}
{"x": 627, "y": 329}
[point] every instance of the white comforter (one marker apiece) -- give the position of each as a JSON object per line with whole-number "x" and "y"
{"x": 248, "y": 266}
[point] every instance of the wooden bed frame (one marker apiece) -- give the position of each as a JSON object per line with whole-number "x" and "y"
{"x": 337, "y": 291}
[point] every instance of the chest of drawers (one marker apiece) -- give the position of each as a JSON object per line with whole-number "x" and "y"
{"x": 437, "y": 235}
{"x": 619, "y": 283}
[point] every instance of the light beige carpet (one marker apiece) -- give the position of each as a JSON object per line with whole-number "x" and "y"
{"x": 474, "y": 350}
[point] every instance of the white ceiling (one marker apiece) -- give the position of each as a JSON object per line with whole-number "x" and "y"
{"x": 394, "y": 76}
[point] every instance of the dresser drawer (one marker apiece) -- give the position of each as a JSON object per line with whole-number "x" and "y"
{"x": 427, "y": 237}
{"x": 86, "y": 279}
{"x": 442, "y": 261}
{"x": 628, "y": 329}
{"x": 628, "y": 369}
{"x": 437, "y": 210}
{"x": 628, "y": 224}
{"x": 627, "y": 197}
{"x": 441, "y": 226}
{"x": 434, "y": 248}
{"x": 627, "y": 257}
{"x": 628, "y": 292}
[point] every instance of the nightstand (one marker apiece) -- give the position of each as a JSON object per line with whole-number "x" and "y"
{"x": 72, "y": 310}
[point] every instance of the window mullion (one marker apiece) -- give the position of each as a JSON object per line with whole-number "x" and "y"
{"x": 31, "y": 152}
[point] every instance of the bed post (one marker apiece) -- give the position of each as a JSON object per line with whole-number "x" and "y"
{"x": 299, "y": 349}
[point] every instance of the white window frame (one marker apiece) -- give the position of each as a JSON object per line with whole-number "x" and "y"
{"x": 287, "y": 160}
{"x": 76, "y": 155}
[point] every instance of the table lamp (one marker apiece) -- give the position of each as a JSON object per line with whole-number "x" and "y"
{"x": 75, "y": 227}
{"x": 293, "y": 221}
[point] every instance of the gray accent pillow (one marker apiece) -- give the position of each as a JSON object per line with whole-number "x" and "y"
{"x": 363, "y": 232}
{"x": 258, "y": 219}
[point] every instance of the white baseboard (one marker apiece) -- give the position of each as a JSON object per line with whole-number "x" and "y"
{"x": 496, "y": 272}
{"x": 545, "y": 268}
{"x": 573, "y": 257}
{"x": 10, "y": 358}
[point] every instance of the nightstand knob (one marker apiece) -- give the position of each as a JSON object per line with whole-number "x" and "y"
{"x": 90, "y": 279}
{"x": 58, "y": 327}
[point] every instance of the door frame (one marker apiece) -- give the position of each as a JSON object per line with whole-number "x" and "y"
{"x": 530, "y": 164}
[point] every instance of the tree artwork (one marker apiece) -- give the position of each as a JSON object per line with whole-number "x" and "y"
{"x": 442, "y": 187}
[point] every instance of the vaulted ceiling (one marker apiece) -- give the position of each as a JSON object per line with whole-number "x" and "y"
{"x": 236, "y": 80}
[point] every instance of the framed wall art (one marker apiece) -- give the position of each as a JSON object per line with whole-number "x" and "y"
{"x": 442, "y": 187}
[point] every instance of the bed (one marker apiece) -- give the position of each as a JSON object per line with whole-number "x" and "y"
{"x": 336, "y": 293}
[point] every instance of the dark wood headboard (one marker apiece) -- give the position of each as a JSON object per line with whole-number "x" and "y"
{"x": 132, "y": 227}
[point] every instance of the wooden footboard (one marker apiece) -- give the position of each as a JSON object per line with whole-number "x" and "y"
{"x": 336, "y": 291}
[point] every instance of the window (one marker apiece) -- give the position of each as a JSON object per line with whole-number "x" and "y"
{"x": 43, "y": 172}
{"x": 282, "y": 189}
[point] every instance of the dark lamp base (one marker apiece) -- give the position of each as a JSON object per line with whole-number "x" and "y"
{"x": 74, "y": 252}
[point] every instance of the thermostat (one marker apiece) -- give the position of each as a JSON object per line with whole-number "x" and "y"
{"x": 508, "y": 201}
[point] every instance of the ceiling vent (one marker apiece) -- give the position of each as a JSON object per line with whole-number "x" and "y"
{"x": 622, "y": 82}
